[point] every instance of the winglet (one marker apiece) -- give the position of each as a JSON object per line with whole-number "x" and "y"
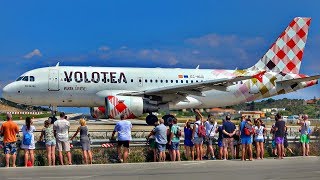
{"x": 259, "y": 75}
{"x": 198, "y": 67}
{"x": 57, "y": 65}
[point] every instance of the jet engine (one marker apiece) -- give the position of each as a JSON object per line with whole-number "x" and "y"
{"x": 129, "y": 106}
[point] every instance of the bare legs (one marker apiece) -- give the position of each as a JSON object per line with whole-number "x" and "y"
{"x": 51, "y": 155}
{"x": 14, "y": 157}
{"x": 28, "y": 152}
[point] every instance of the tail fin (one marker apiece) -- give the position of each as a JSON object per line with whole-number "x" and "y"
{"x": 285, "y": 55}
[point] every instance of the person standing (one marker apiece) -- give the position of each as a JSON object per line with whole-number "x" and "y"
{"x": 61, "y": 131}
{"x": 228, "y": 129}
{"x": 123, "y": 128}
{"x": 85, "y": 141}
{"x": 220, "y": 140}
{"x": 47, "y": 134}
{"x": 188, "y": 144}
{"x": 9, "y": 131}
{"x": 280, "y": 128}
{"x": 28, "y": 143}
{"x": 152, "y": 142}
{"x": 259, "y": 139}
{"x": 305, "y": 134}
{"x": 197, "y": 135}
{"x": 160, "y": 133}
{"x": 246, "y": 138}
{"x": 175, "y": 140}
{"x": 211, "y": 126}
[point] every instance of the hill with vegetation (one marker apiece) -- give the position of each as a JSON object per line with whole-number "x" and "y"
{"x": 292, "y": 106}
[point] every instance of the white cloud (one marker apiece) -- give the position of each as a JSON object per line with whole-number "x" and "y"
{"x": 104, "y": 48}
{"x": 35, "y": 52}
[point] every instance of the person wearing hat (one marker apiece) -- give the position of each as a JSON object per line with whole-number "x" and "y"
{"x": 305, "y": 134}
{"x": 211, "y": 126}
{"x": 123, "y": 128}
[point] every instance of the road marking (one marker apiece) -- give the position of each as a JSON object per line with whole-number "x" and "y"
{"x": 193, "y": 163}
{"x": 67, "y": 177}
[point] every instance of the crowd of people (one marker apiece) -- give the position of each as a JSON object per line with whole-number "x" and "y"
{"x": 55, "y": 135}
{"x": 249, "y": 133}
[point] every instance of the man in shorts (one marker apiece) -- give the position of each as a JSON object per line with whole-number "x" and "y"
{"x": 305, "y": 134}
{"x": 246, "y": 140}
{"x": 175, "y": 140}
{"x": 61, "y": 131}
{"x": 160, "y": 133}
{"x": 9, "y": 130}
{"x": 123, "y": 128}
{"x": 280, "y": 129}
{"x": 228, "y": 129}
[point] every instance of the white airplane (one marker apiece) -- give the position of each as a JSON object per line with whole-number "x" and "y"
{"x": 111, "y": 91}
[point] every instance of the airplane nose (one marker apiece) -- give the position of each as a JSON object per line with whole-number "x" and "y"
{"x": 6, "y": 91}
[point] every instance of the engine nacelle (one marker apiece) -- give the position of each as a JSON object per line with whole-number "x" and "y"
{"x": 130, "y": 106}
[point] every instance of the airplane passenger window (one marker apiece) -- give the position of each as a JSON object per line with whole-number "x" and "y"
{"x": 181, "y": 81}
{"x": 166, "y": 81}
{"x": 161, "y": 81}
{"x": 31, "y": 78}
{"x": 131, "y": 80}
{"x": 26, "y": 78}
{"x": 196, "y": 80}
{"x": 156, "y": 80}
{"x": 191, "y": 81}
{"x": 140, "y": 80}
{"x": 145, "y": 80}
{"x": 187, "y": 81}
{"x": 151, "y": 80}
{"x": 19, "y": 78}
{"x": 177, "y": 81}
{"x": 171, "y": 81}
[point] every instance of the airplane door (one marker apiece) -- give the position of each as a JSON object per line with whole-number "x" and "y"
{"x": 140, "y": 81}
{"x": 53, "y": 80}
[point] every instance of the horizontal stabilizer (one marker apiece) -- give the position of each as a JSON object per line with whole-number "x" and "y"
{"x": 298, "y": 80}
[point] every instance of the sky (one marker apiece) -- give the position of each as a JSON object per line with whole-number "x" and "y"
{"x": 143, "y": 33}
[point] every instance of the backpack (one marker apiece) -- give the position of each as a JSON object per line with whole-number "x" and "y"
{"x": 247, "y": 129}
{"x": 201, "y": 130}
{"x": 178, "y": 133}
{"x": 27, "y": 139}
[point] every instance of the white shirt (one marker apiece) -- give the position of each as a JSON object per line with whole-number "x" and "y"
{"x": 210, "y": 128}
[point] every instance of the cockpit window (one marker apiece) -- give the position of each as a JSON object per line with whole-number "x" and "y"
{"x": 31, "y": 78}
{"x": 19, "y": 78}
{"x": 26, "y": 78}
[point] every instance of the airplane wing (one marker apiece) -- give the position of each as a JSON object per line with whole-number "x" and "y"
{"x": 298, "y": 80}
{"x": 192, "y": 89}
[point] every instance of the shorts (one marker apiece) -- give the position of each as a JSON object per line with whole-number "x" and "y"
{"x": 228, "y": 142}
{"x": 279, "y": 140}
{"x": 209, "y": 141}
{"x": 10, "y": 148}
{"x": 188, "y": 142}
{"x": 175, "y": 145}
{"x": 246, "y": 140}
{"x": 161, "y": 147}
{"x": 63, "y": 146}
{"x": 51, "y": 143}
{"x": 124, "y": 143}
{"x": 198, "y": 140}
{"x": 259, "y": 140}
{"x": 304, "y": 139}
{"x": 220, "y": 143}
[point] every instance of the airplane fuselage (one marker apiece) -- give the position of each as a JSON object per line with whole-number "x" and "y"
{"x": 72, "y": 86}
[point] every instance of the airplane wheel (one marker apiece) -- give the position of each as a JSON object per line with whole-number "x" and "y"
{"x": 166, "y": 117}
{"x": 151, "y": 119}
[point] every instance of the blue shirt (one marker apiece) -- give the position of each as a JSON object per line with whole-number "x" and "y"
{"x": 242, "y": 124}
{"x": 161, "y": 134}
{"x": 229, "y": 127}
{"x": 123, "y": 128}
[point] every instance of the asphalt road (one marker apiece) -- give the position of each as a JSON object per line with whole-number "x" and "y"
{"x": 289, "y": 168}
